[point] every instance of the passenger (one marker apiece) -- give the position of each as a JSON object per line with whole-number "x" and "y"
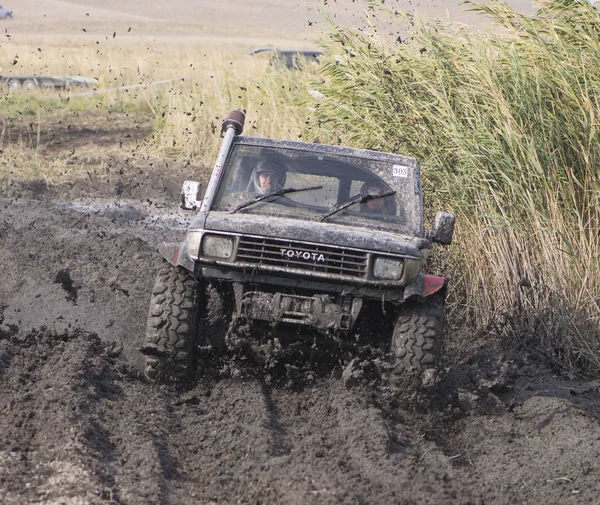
{"x": 268, "y": 176}
{"x": 383, "y": 205}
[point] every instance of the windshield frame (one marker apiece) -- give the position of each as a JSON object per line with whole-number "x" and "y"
{"x": 392, "y": 169}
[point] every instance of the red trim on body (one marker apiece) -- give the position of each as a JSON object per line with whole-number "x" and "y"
{"x": 432, "y": 284}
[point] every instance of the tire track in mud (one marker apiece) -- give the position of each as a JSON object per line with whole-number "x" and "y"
{"x": 243, "y": 442}
{"x": 85, "y": 429}
{"x": 46, "y": 417}
{"x": 88, "y": 428}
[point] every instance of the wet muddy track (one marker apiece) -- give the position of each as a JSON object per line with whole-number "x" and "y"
{"x": 79, "y": 425}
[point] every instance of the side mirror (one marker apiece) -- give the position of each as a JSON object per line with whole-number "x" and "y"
{"x": 190, "y": 195}
{"x": 443, "y": 228}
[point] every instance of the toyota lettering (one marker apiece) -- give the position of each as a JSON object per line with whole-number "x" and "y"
{"x": 303, "y": 255}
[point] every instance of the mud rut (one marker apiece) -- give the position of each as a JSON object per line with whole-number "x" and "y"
{"x": 78, "y": 425}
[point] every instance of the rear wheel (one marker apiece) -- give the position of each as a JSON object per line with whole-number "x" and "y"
{"x": 172, "y": 329}
{"x": 417, "y": 343}
{"x": 29, "y": 84}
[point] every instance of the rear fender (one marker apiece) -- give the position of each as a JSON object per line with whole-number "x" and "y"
{"x": 176, "y": 254}
{"x": 425, "y": 285}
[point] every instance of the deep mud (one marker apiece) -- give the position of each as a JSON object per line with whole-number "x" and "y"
{"x": 79, "y": 425}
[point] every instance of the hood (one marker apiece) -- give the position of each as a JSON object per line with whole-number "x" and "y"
{"x": 316, "y": 232}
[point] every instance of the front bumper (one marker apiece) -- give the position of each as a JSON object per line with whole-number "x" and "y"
{"x": 283, "y": 282}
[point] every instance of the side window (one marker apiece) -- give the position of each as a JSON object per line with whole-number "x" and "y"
{"x": 240, "y": 174}
{"x": 355, "y": 188}
{"x": 362, "y": 186}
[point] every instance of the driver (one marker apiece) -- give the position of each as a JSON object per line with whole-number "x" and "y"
{"x": 268, "y": 176}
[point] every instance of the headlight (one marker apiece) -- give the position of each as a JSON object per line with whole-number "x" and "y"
{"x": 217, "y": 246}
{"x": 387, "y": 268}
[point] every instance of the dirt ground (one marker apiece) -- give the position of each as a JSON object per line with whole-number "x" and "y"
{"x": 79, "y": 424}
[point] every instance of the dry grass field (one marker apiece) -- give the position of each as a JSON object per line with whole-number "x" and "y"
{"x": 214, "y": 25}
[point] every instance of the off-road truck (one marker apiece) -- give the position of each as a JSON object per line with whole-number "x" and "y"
{"x": 339, "y": 244}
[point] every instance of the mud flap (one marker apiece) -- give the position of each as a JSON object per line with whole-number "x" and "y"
{"x": 176, "y": 254}
{"x": 424, "y": 285}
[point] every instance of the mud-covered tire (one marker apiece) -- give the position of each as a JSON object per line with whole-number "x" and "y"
{"x": 417, "y": 343}
{"x": 172, "y": 328}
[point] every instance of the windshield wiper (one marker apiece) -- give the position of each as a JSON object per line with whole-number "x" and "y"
{"x": 360, "y": 199}
{"x": 276, "y": 194}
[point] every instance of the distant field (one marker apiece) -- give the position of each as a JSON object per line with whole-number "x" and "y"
{"x": 259, "y": 22}
{"x": 204, "y": 44}
{"x": 78, "y": 37}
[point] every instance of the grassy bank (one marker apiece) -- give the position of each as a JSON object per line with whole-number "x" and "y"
{"x": 506, "y": 126}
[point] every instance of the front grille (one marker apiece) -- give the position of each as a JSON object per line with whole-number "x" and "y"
{"x": 288, "y": 254}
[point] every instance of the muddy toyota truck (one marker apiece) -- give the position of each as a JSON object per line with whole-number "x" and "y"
{"x": 315, "y": 242}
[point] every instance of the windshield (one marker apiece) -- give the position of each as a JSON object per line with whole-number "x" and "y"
{"x": 328, "y": 187}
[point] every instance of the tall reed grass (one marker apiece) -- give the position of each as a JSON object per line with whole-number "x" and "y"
{"x": 506, "y": 125}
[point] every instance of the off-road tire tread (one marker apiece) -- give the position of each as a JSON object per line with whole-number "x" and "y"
{"x": 172, "y": 328}
{"x": 417, "y": 342}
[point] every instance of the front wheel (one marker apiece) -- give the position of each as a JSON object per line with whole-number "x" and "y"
{"x": 172, "y": 328}
{"x": 417, "y": 343}
{"x": 14, "y": 85}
